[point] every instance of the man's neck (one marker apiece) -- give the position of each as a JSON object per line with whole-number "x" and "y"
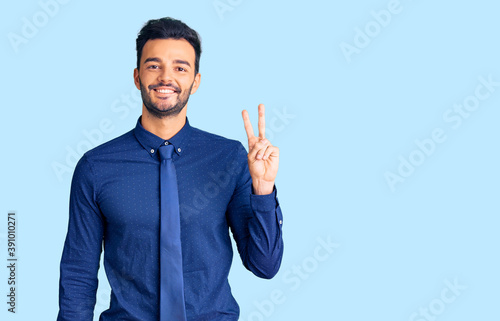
{"x": 165, "y": 128}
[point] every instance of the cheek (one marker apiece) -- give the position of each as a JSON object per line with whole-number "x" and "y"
{"x": 146, "y": 79}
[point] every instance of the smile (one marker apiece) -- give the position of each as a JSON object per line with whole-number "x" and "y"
{"x": 165, "y": 91}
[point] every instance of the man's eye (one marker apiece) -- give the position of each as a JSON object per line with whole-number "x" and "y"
{"x": 181, "y": 69}
{"x": 153, "y": 67}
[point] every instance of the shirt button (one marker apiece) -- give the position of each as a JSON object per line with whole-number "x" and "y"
{"x": 179, "y": 149}
{"x": 281, "y": 222}
{"x": 152, "y": 151}
{"x": 166, "y": 143}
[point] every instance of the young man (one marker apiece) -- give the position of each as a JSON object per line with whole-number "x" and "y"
{"x": 162, "y": 197}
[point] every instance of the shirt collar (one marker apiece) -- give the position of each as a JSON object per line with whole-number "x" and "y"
{"x": 151, "y": 142}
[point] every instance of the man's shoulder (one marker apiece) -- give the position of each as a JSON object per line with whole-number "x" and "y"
{"x": 199, "y": 136}
{"x": 112, "y": 146}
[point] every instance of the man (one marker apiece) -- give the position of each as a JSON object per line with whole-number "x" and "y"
{"x": 162, "y": 198}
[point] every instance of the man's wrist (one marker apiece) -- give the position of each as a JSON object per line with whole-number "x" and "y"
{"x": 262, "y": 188}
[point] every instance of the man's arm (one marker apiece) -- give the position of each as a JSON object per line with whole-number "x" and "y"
{"x": 256, "y": 221}
{"x": 82, "y": 248}
{"x": 254, "y": 213}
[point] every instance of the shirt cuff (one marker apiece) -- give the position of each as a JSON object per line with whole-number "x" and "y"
{"x": 264, "y": 203}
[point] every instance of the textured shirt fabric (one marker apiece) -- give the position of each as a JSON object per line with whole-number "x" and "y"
{"x": 115, "y": 206}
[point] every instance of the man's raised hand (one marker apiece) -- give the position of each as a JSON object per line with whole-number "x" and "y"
{"x": 263, "y": 158}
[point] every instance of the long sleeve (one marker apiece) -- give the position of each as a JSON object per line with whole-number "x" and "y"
{"x": 256, "y": 223}
{"x": 82, "y": 248}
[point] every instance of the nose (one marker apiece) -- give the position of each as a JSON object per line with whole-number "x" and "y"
{"x": 165, "y": 76}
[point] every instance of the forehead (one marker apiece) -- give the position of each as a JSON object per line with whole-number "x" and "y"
{"x": 168, "y": 49}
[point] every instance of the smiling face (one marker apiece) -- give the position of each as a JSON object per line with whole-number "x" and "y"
{"x": 166, "y": 77}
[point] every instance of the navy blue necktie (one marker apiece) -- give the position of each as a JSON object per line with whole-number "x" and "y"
{"x": 172, "y": 307}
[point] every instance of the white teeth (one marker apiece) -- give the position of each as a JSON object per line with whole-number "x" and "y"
{"x": 165, "y": 91}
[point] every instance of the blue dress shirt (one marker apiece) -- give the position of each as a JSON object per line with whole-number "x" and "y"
{"x": 115, "y": 204}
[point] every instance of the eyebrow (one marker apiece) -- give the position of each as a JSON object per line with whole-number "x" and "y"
{"x": 152, "y": 59}
{"x": 182, "y": 62}
{"x": 177, "y": 61}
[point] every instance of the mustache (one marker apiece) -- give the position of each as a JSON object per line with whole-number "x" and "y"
{"x": 175, "y": 88}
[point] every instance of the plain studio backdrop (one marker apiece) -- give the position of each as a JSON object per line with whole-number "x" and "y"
{"x": 385, "y": 112}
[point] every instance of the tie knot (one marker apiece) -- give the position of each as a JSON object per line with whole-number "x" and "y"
{"x": 166, "y": 151}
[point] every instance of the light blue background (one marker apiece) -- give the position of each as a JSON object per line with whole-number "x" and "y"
{"x": 347, "y": 125}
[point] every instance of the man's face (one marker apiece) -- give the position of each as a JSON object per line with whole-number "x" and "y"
{"x": 166, "y": 77}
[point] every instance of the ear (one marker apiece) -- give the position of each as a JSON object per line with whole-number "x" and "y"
{"x": 136, "y": 79}
{"x": 196, "y": 83}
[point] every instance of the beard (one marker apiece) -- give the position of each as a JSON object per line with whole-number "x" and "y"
{"x": 162, "y": 109}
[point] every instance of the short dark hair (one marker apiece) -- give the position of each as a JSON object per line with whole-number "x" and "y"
{"x": 168, "y": 28}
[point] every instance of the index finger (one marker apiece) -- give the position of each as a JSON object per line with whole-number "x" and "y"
{"x": 262, "y": 121}
{"x": 248, "y": 125}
